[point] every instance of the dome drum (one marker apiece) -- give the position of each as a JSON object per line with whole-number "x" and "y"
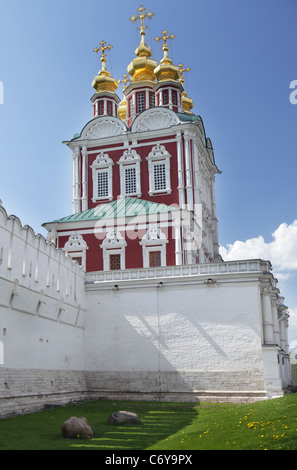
{"x": 105, "y": 104}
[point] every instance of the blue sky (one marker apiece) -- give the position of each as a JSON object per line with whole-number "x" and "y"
{"x": 242, "y": 55}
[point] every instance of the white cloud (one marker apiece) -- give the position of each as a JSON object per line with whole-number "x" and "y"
{"x": 293, "y": 328}
{"x": 281, "y": 251}
{"x": 293, "y": 317}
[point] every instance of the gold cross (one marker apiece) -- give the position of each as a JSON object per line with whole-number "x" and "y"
{"x": 125, "y": 80}
{"x": 142, "y": 17}
{"x": 182, "y": 70}
{"x": 102, "y": 49}
{"x": 165, "y": 36}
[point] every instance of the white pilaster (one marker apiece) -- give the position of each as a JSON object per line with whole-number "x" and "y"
{"x": 274, "y": 305}
{"x": 180, "y": 171}
{"x": 189, "y": 185}
{"x": 267, "y": 316}
{"x": 84, "y": 179}
{"x": 147, "y": 99}
{"x": 178, "y": 241}
{"x": 75, "y": 200}
{"x": 216, "y": 246}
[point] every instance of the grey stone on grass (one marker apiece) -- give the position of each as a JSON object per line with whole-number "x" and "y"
{"x": 123, "y": 417}
{"x": 77, "y": 428}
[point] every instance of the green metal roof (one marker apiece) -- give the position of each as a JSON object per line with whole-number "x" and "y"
{"x": 187, "y": 117}
{"x": 122, "y": 207}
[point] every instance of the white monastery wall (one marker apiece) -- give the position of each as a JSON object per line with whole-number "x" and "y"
{"x": 209, "y": 331}
{"x": 183, "y": 338}
{"x": 42, "y": 317}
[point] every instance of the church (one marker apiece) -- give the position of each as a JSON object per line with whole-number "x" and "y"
{"x": 128, "y": 296}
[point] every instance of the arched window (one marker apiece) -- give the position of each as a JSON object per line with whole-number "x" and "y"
{"x": 113, "y": 248}
{"x": 154, "y": 247}
{"x": 159, "y": 170}
{"x": 102, "y": 177}
{"x": 76, "y": 247}
{"x": 129, "y": 165}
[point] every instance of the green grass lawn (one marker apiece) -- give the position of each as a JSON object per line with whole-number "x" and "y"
{"x": 269, "y": 425}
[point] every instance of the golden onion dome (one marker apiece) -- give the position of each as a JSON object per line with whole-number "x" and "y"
{"x": 142, "y": 67}
{"x": 103, "y": 81}
{"x": 187, "y": 103}
{"x": 166, "y": 70}
{"x": 122, "y": 110}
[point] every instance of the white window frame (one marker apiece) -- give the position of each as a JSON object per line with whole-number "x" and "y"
{"x": 130, "y": 179}
{"x": 113, "y": 244}
{"x": 140, "y": 97}
{"x": 76, "y": 247}
{"x": 130, "y": 159}
{"x": 102, "y": 164}
{"x": 108, "y": 254}
{"x": 161, "y": 176}
{"x": 157, "y": 156}
{"x": 153, "y": 240}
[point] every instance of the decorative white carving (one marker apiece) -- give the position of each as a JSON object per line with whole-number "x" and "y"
{"x": 154, "y": 233}
{"x": 102, "y": 160}
{"x": 76, "y": 248}
{"x": 107, "y": 127}
{"x": 75, "y": 243}
{"x": 153, "y": 120}
{"x": 158, "y": 152}
{"x": 113, "y": 239}
{"x": 129, "y": 156}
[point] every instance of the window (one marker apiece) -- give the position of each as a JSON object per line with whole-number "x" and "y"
{"x": 159, "y": 170}
{"x": 130, "y": 103}
{"x": 76, "y": 247}
{"x": 102, "y": 177}
{"x": 109, "y": 108}
{"x": 130, "y": 180}
{"x": 155, "y": 259}
{"x": 114, "y": 262}
{"x": 154, "y": 247}
{"x": 140, "y": 102}
{"x": 159, "y": 176}
{"x": 165, "y": 97}
{"x": 113, "y": 247}
{"x": 102, "y": 180}
{"x": 129, "y": 165}
{"x": 174, "y": 98}
{"x": 78, "y": 259}
{"x": 101, "y": 108}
